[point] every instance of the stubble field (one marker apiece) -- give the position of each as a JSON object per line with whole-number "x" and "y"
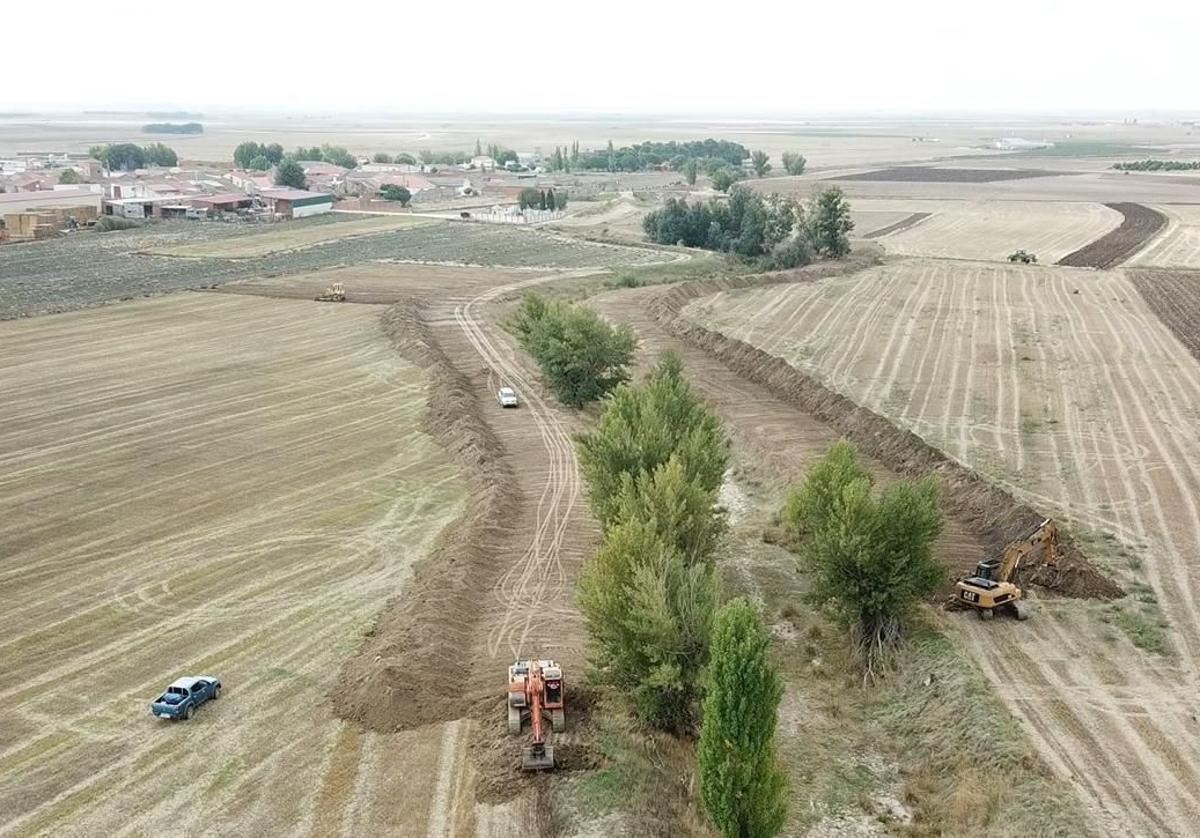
{"x": 1178, "y": 246}
{"x": 203, "y": 484}
{"x": 1065, "y": 387}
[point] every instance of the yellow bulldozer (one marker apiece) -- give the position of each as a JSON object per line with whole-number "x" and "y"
{"x": 335, "y": 293}
{"x": 994, "y": 583}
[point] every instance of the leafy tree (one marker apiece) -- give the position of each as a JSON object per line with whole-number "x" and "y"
{"x": 556, "y": 162}
{"x": 406, "y": 159}
{"x": 641, "y": 428}
{"x": 259, "y": 164}
{"x": 542, "y": 199}
{"x": 830, "y": 223}
{"x": 793, "y": 163}
{"x": 870, "y": 554}
{"x": 381, "y": 157}
{"x": 313, "y": 153}
{"x": 761, "y": 163}
{"x": 529, "y": 198}
{"x": 338, "y": 156}
{"x": 678, "y": 162}
{"x": 123, "y": 157}
{"x": 649, "y": 617}
{"x": 245, "y": 153}
{"x": 478, "y": 148}
{"x": 722, "y": 178}
{"x": 550, "y": 205}
{"x": 273, "y": 153}
{"x": 426, "y": 156}
{"x": 393, "y": 192}
{"x": 684, "y": 512}
{"x": 291, "y": 173}
{"x": 582, "y": 357}
{"x": 68, "y": 176}
{"x": 742, "y": 784}
{"x": 560, "y": 199}
{"x": 690, "y": 169}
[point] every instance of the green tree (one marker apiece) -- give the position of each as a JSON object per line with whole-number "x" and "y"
{"x": 259, "y": 164}
{"x": 870, "y": 554}
{"x": 556, "y": 162}
{"x": 394, "y": 192}
{"x": 722, "y": 178}
{"x": 761, "y": 163}
{"x": 478, "y": 148}
{"x": 245, "y": 152}
{"x": 641, "y": 428}
{"x": 742, "y": 784}
{"x": 649, "y": 617}
{"x": 793, "y": 163}
{"x": 158, "y": 154}
{"x": 684, "y": 512}
{"x": 560, "y": 199}
{"x": 550, "y": 200}
{"x": 338, "y": 156}
{"x": 541, "y": 199}
{"x": 830, "y": 223}
{"x": 426, "y": 156}
{"x": 406, "y": 159}
{"x": 381, "y": 157}
{"x": 68, "y": 176}
{"x": 581, "y": 356}
{"x": 273, "y": 153}
{"x": 690, "y": 169}
{"x": 123, "y": 157}
{"x": 290, "y": 173}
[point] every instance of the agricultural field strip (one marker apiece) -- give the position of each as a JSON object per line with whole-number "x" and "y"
{"x": 286, "y": 478}
{"x": 1084, "y": 405}
{"x": 68, "y": 274}
{"x": 1176, "y": 247}
{"x": 992, "y": 230}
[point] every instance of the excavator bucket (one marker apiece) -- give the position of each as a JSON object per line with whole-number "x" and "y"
{"x": 537, "y": 757}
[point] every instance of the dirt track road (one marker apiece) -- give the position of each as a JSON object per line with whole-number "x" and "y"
{"x": 1064, "y": 386}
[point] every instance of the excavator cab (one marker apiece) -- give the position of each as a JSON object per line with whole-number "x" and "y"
{"x": 986, "y": 572}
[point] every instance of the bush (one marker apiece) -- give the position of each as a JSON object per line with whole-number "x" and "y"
{"x": 870, "y": 555}
{"x": 641, "y": 429}
{"x": 108, "y": 223}
{"x": 290, "y": 173}
{"x": 68, "y": 177}
{"x": 793, "y": 163}
{"x": 582, "y": 357}
{"x": 741, "y": 782}
{"x": 392, "y": 192}
{"x": 830, "y": 224}
{"x": 723, "y": 177}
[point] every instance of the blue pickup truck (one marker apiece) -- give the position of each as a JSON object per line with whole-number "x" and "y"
{"x": 183, "y": 697}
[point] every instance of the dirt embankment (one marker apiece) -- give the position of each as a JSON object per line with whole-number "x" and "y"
{"x": 407, "y": 673}
{"x": 1141, "y": 223}
{"x": 1175, "y": 297}
{"x": 993, "y": 513}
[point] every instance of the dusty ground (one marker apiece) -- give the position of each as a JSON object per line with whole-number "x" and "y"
{"x": 202, "y": 484}
{"x": 1050, "y": 391}
{"x": 290, "y": 236}
{"x": 1178, "y": 246}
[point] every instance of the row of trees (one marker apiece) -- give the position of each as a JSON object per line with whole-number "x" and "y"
{"x": 654, "y": 465}
{"x": 256, "y": 157}
{"x": 582, "y": 357}
{"x": 127, "y": 156}
{"x": 173, "y": 128}
{"x": 542, "y": 199}
{"x": 402, "y": 158}
{"x": 1157, "y": 166}
{"x": 775, "y": 231}
{"x": 647, "y": 155}
{"x": 333, "y": 154}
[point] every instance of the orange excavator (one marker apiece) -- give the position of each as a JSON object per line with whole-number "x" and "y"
{"x": 535, "y": 692}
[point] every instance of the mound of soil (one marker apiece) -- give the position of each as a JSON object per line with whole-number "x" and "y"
{"x": 989, "y": 510}
{"x": 1140, "y": 224}
{"x": 414, "y": 651}
{"x": 930, "y": 174}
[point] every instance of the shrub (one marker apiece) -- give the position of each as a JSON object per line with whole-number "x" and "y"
{"x": 741, "y": 782}
{"x": 793, "y": 163}
{"x": 109, "y": 223}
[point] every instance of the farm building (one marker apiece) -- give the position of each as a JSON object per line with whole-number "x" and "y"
{"x": 224, "y": 202}
{"x": 297, "y": 203}
{"x": 48, "y": 199}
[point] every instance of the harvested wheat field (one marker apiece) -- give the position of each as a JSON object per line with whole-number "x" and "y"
{"x": 207, "y": 484}
{"x": 991, "y": 230}
{"x": 1064, "y": 386}
{"x": 1179, "y": 245}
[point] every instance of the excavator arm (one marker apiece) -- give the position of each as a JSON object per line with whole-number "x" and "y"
{"x": 1043, "y": 536}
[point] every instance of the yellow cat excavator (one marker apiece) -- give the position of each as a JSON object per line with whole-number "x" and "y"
{"x": 994, "y": 584}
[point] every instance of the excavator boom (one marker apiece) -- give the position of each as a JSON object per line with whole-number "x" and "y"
{"x": 994, "y": 584}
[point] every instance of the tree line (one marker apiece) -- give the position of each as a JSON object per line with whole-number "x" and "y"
{"x": 542, "y": 199}
{"x": 173, "y": 128}
{"x": 128, "y": 156}
{"x": 1157, "y": 165}
{"x": 773, "y": 232}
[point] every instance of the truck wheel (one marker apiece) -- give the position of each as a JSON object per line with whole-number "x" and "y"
{"x": 216, "y": 692}
{"x": 558, "y": 720}
{"x": 187, "y": 714}
{"x": 514, "y": 720}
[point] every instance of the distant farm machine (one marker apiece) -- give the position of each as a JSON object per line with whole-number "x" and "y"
{"x": 994, "y": 583}
{"x": 335, "y": 293}
{"x": 535, "y": 692}
{"x": 1022, "y": 256}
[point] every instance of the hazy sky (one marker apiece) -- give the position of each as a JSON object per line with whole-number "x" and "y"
{"x": 612, "y": 56}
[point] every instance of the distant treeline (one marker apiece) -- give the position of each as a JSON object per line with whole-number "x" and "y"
{"x": 1157, "y": 165}
{"x": 650, "y": 155}
{"x": 173, "y": 128}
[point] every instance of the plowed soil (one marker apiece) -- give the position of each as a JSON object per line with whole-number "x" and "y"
{"x": 1175, "y": 297}
{"x": 1141, "y": 224}
{"x": 1066, "y": 388}
{"x": 903, "y": 224}
{"x": 929, "y": 174}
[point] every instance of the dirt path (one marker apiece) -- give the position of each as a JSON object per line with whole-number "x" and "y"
{"x": 1062, "y": 385}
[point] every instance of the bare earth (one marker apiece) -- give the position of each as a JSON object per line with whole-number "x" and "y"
{"x": 1063, "y": 385}
{"x": 289, "y": 237}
